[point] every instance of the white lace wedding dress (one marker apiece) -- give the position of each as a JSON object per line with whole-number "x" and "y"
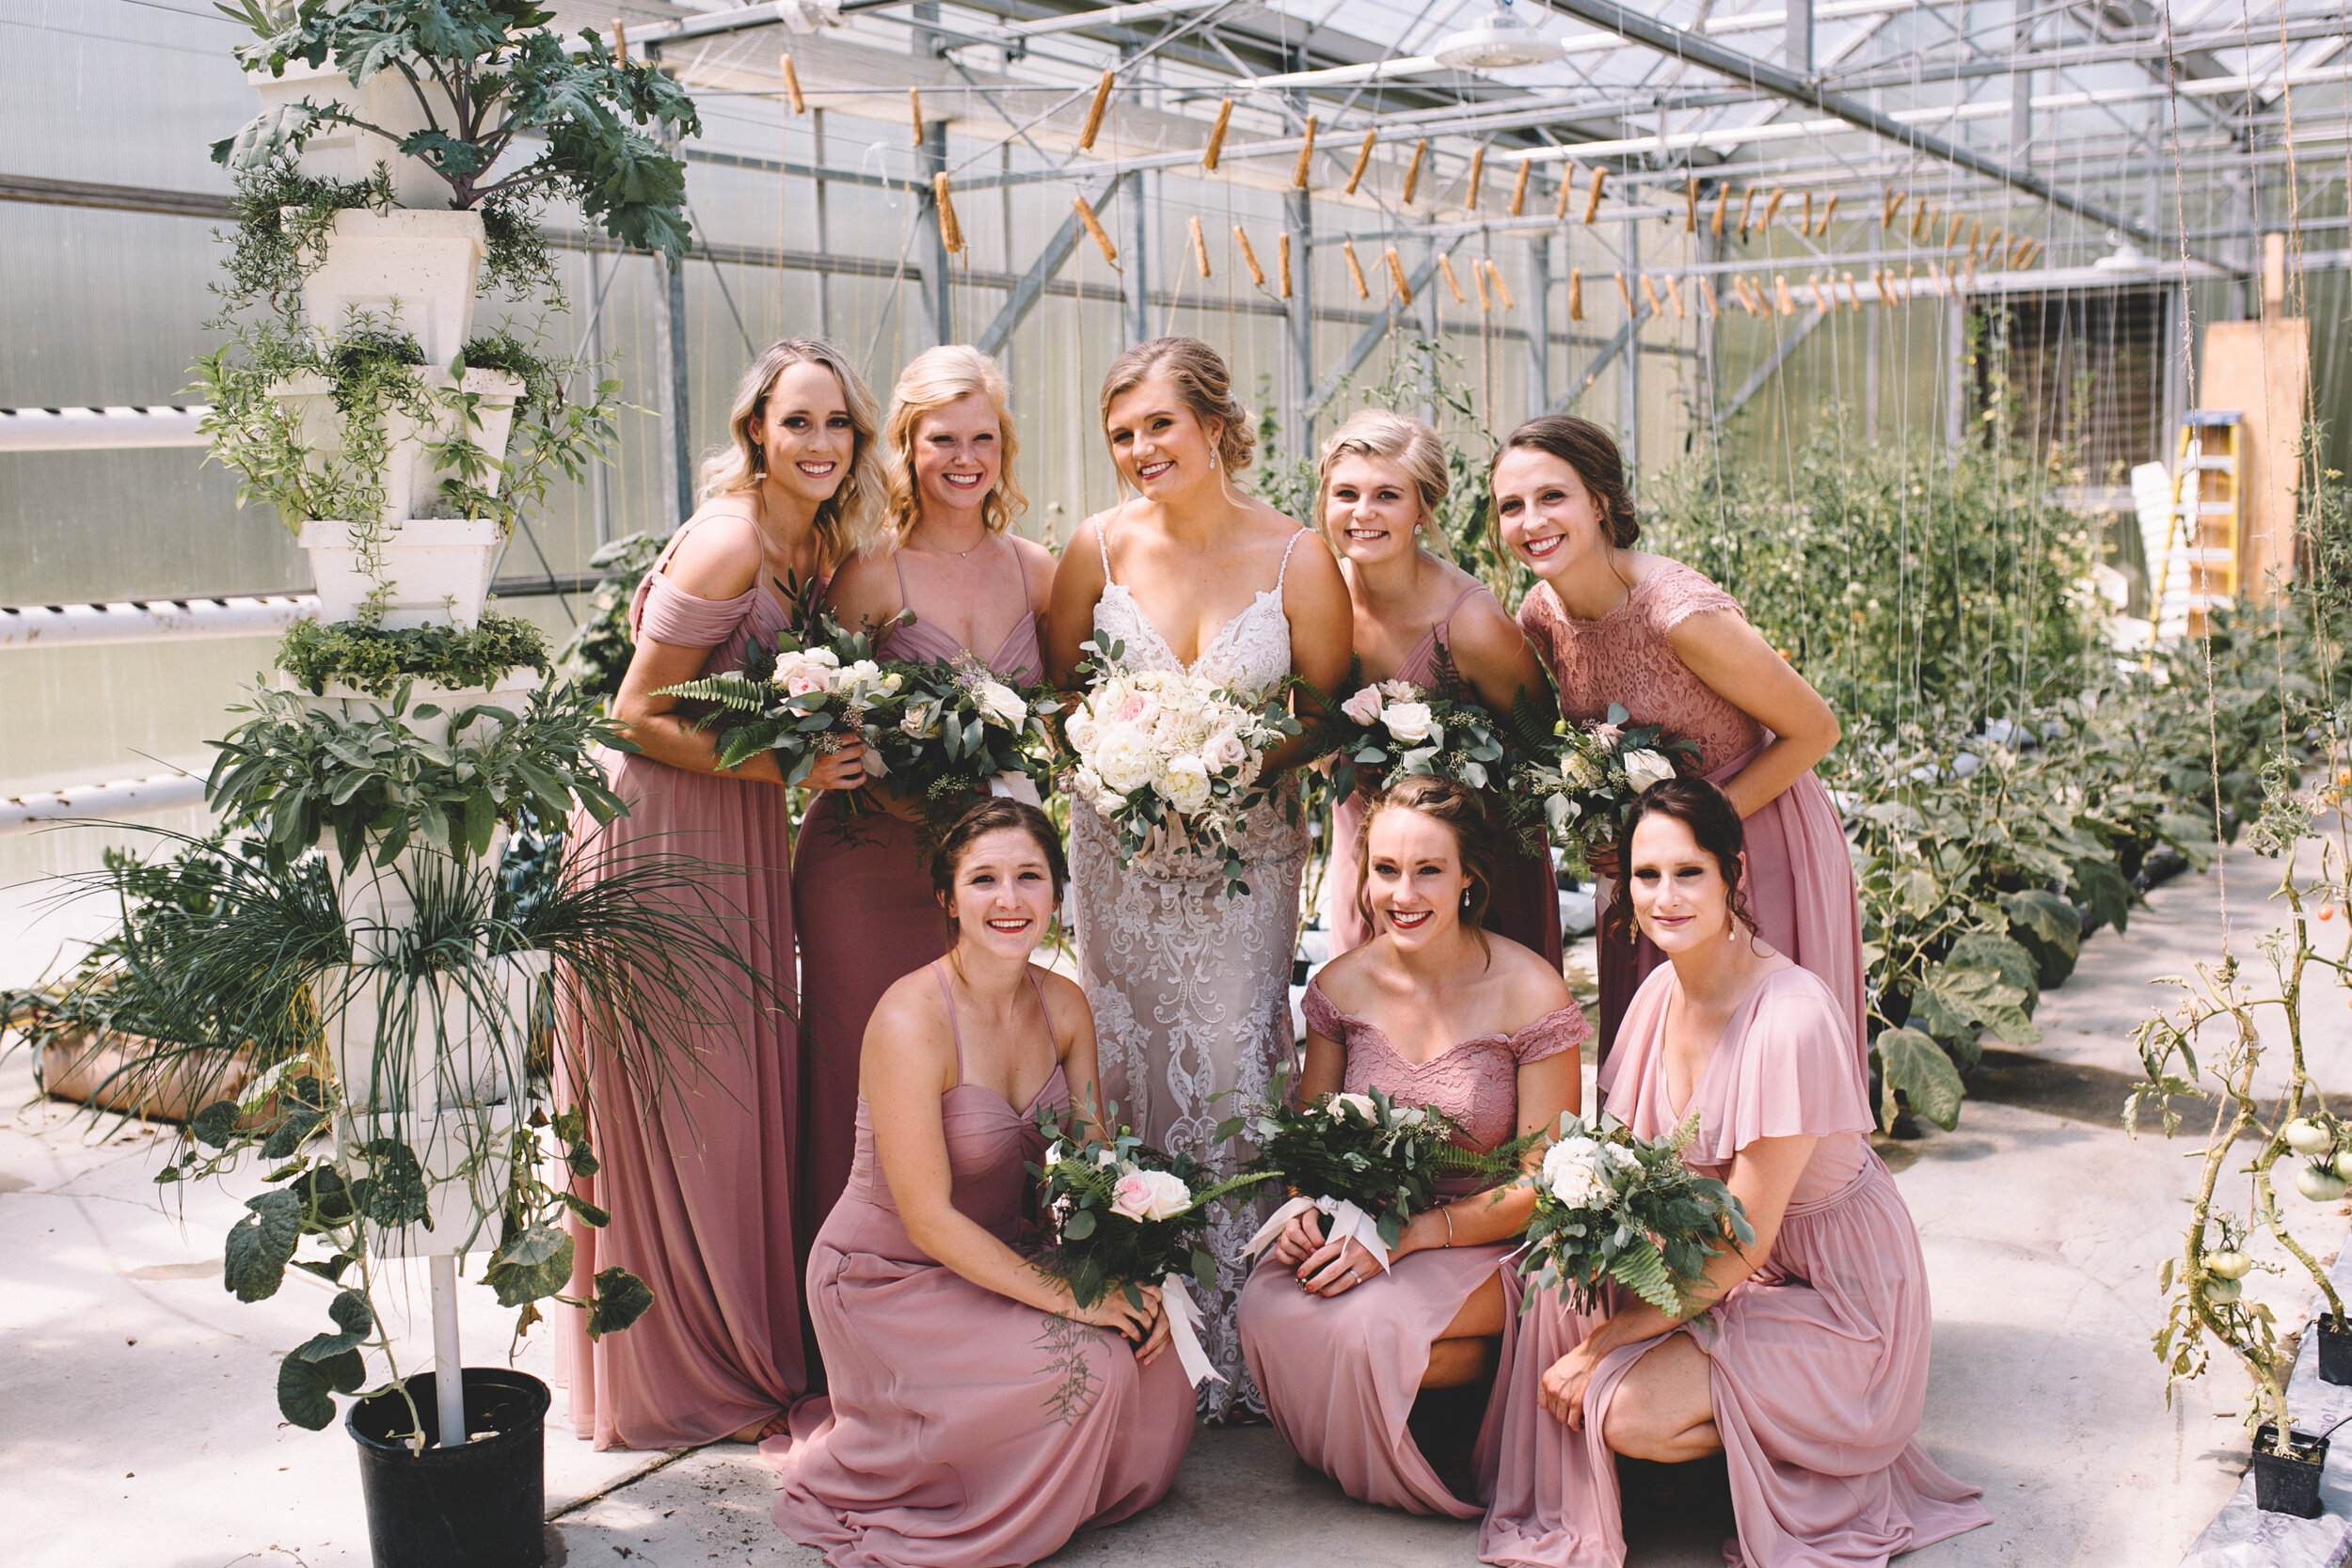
{"x": 1190, "y": 986}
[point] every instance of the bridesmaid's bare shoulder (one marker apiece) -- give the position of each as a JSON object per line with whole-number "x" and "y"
{"x": 1066, "y": 1006}
{"x": 719, "y": 555}
{"x": 864, "y": 589}
{"x": 1532, "y": 988}
{"x": 909, "y": 1034}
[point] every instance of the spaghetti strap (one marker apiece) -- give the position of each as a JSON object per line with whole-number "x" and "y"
{"x": 1038, "y": 990}
{"x": 1027, "y": 605}
{"x": 953, "y": 1028}
{"x": 1286, "y": 559}
{"x": 906, "y": 600}
{"x": 1102, "y": 543}
{"x": 1445, "y": 621}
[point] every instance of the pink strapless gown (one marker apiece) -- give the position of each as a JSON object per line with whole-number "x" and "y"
{"x": 699, "y": 1184}
{"x": 862, "y": 895}
{"x": 1818, "y": 1362}
{"x": 1341, "y": 1373}
{"x": 1526, "y": 902}
{"x": 1800, "y": 879}
{"x": 962, "y": 1428}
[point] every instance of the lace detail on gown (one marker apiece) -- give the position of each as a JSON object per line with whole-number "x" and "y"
{"x": 1191, "y": 988}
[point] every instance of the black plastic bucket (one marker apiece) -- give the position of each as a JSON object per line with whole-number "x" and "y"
{"x": 478, "y": 1506}
{"x": 2335, "y": 1351}
{"x": 2288, "y": 1485}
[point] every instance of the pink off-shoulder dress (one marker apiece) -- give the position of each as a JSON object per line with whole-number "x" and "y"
{"x": 1526, "y": 903}
{"x": 698, "y": 1182}
{"x": 1340, "y": 1374}
{"x": 960, "y": 1428}
{"x": 862, "y": 892}
{"x": 1818, "y": 1362}
{"x": 1800, "y": 883}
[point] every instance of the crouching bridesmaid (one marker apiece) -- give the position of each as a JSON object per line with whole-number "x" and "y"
{"x": 1433, "y": 1010}
{"x": 977, "y": 1416}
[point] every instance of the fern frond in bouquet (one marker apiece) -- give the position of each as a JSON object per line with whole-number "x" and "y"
{"x": 804, "y": 698}
{"x": 1612, "y": 1208}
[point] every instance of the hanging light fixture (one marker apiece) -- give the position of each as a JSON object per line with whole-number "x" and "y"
{"x": 1496, "y": 43}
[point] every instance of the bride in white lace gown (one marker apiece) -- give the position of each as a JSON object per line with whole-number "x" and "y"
{"x": 1190, "y": 984}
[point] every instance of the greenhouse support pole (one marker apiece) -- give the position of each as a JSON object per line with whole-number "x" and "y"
{"x": 1538, "y": 322}
{"x": 824, "y": 242}
{"x": 448, "y": 1365}
{"x": 1955, "y": 370}
{"x": 938, "y": 286}
{"x": 1797, "y": 46}
{"x": 669, "y": 341}
{"x": 1630, "y": 368}
{"x": 599, "y": 481}
{"x": 1870, "y": 378}
{"x": 1300, "y": 361}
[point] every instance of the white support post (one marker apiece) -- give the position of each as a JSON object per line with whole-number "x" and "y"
{"x": 448, "y": 1365}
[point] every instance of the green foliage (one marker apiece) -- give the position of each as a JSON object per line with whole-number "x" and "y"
{"x": 283, "y": 218}
{"x": 1366, "y": 1149}
{"x": 292, "y": 773}
{"x": 502, "y": 77}
{"x": 598, "y": 655}
{"x": 1095, "y": 1246}
{"x": 378, "y": 661}
{"x": 1612, "y": 1208}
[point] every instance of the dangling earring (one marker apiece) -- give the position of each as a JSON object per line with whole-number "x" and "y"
{"x": 1212, "y": 458}
{"x": 1731, "y": 930}
{"x": 760, "y": 461}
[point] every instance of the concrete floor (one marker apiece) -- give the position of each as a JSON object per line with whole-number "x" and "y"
{"x": 137, "y": 1423}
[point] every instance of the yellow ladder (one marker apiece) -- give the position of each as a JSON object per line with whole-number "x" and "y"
{"x": 2197, "y": 567}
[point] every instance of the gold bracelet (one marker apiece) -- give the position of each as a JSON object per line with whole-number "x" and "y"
{"x": 1447, "y": 1209}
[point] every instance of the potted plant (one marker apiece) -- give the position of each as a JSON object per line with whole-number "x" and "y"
{"x": 2206, "y": 1280}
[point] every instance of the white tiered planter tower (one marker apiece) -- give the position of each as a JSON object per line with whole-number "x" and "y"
{"x": 455, "y": 1096}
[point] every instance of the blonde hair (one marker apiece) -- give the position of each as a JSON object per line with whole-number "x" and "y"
{"x": 1402, "y": 440}
{"x": 1203, "y": 385}
{"x": 851, "y": 518}
{"x": 932, "y": 380}
{"x": 1465, "y": 815}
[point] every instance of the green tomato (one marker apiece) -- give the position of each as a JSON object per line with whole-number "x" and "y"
{"x": 2306, "y": 1136}
{"x": 2320, "y": 1183}
{"x": 2222, "y": 1292}
{"x": 2230, "y": 1265}
{"x": 2344, "y": 1164}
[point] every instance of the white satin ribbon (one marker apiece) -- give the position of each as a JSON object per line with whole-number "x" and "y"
{"x": 1016, "y": 786}
{"x": 1347, "y": 1223}
{"x": 1184, "y": 1330}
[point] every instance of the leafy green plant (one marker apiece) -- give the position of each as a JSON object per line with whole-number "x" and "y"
{"x": 489, "y": 74}
{"x": 283, "y": 218}
{"x": 377, "y": 660}
{"x": 293, "y": 773}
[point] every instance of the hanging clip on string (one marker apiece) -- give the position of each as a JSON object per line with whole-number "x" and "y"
{"x": 1502, "y": 290}
{"x": 1518, "y": 188}
{"x": 950, "y": 231}
{"x": 1478, "y": 281}
{"x": 1412, "y": 171}
{"x": 1576, "y": 293}
{"x": 1477, "y": 176}
{"x": 914, "y": 112}
{"x": 1095, "y": 228}
{"x": 1918, "y": 216}
{"x": 1355, "y": 269}
{"x": 1306, "y": 157}
{"x": 1747, "y": 205}
{"x": 1200, "y": 245}
{"x": 1445, "y": 270}
{"x": 1827, "y": 213}
{"x": 1282, "y": 259}
{"x": 1094, "y": 113}
{"x": 1691, "y": 205}
{"x": 1250, "y": 257}
{"x": 1396, "y": 276}
{"x": 1216, "y": 136}
{"x": 1363, "y": 162}
{"x": 1771, "y": 205}
{"x": 1723, "y": 202}
{"x": 1780, "y": 287}
{"x": 792, "y": 86}
{"x": 1805, "y": 223}
{"x": 1894, "y": 205}
{"x": 1706, "y": 292}
{"x": 1649, "y": 291}
{"x": 1592, "y": 198}
{"x": 620, "y": 41}
{"x": 1951, "y": 235}
{"x": 1568, "y": 189}
{"x": 1625, "y": 297}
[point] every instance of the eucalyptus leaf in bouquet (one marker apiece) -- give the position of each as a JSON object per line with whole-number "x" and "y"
{"x": 1614, "y": 1209}
{"x": 1584, "y": 780}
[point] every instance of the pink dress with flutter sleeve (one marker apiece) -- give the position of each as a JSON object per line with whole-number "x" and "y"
{"x": 1799, "y": 881}
{"x": 1340, "y": 1374}
{"x": 697, "y": 1178}
{"x": 1816, "y": 1363}
{"x": 1525, "y": 902}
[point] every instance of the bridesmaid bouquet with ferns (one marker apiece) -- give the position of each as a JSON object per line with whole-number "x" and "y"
{"x": 1584, "y": 780}
{"x": 1612, "y": 1208}
{"x": 1363, "y": 1159}
{"x": 1163, "y": 752}
{"x": 1396, "y": 727}
{"x": 961, "y": 732}
{"x": 1124, "y": 1214}
{"x": 805, "y": 698}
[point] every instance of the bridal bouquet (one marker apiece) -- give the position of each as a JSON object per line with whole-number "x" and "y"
{"x": 960, "y": 732}
{"x": 1587, "y": 783}
{"x": 1367, "y": 1161}
{"x": 1126, "y": 1214}
{"x": 803, "y": 698}
{"x": 1165, "y": 750}
{"x": 1610, "y": 1206}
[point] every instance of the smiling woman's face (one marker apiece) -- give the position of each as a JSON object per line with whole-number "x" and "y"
{"x": 1160, "y": 445}
{"x": 1371, "y": 509}
{"x": 1680, "y": 898}
{"x": 1546, "y": 518}
{"x": 958, "y": 453}
{"x": 1003, "y": 894}
{"x": 1413, "y": 877}
{"x": 805, "y": 431}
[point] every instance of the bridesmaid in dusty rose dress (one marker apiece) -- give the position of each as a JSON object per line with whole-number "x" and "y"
{"x": 699, "y": 1182}
{"x": 1382, "y": 477}
{"x": 1808, "y": 1369}
{"x": 977, "y": 1416}
{"x": 862, "y": 886}
{"x": 1432, "y": 1011}
{"x": 1615, "y": 625}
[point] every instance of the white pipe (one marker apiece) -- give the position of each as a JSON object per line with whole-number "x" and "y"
{"x": 22, "y": 814}
{"x": 101, "y": 429}
{"x": 449, "y": 1368}
{"x": 82, "y": 625}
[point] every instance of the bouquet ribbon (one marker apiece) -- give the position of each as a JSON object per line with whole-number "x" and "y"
{"x": 1184, "y": 1330}
{"x": 1347, "y": 1222}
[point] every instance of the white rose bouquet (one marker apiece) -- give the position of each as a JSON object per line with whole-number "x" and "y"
{"x": 961, "y": 732}
{"x": 805, "y": 698}
{"x": 1396, "y": 727}
{"x": 1585, "y": 779}
{"x": 1123, "y": 1216}
{"x": 1163, "y": 750}
{"x": 1611, "y": 1208}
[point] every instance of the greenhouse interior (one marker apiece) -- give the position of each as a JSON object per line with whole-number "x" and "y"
{"x": 1794, "y": 548}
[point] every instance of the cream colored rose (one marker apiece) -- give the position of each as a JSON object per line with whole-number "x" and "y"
{"x": 1185, "y": 782}
{"x": 1149, "y": 1195}
{"x": 1645, "y": 767}
{"x": 1361, "y": 1103}
{"x": 1364, "y": 707}
{"x": 1225, "y": 749}
{"x": 1122, "y": 759}
{"x": 1002, "y": 705}
{"x": 1571, "y": 1172}
{"x": 1406, "y": 721}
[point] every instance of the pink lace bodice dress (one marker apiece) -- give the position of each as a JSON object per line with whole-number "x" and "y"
{"x": 861, "y": 898}
{"x": 697, "y": 1178}
{"x": 1526, "y": 902}
{"x": 1340, "y": 1374}
{"x": 1818, "y": 1362}
{"x": 962, "y": 1428}
{"x": 1801, "y": 885}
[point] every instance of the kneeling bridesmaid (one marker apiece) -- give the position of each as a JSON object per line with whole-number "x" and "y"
{"x": 976, "y": 1416}
{"x": 1804, "y": 1356}
{"x": 1432, "y": 1010}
